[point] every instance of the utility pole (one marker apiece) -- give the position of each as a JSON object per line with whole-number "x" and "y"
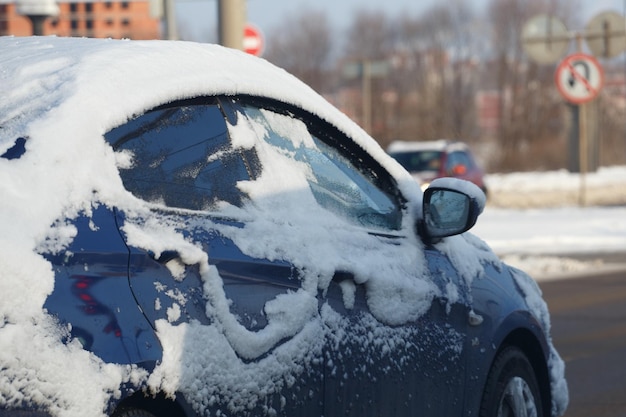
{"x": 366, "y": 69}
{"x": 169, "y": 16}
{"x": 231, "y": 22}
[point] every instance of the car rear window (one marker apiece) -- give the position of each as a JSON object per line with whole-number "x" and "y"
{"x": 419, "y": 161}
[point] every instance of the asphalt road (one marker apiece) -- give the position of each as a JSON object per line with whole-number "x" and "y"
{"x": 589, "y": 331}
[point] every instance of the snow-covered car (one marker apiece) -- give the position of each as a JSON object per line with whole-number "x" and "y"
{"x": 187, "y": 230}
{"x": 428, "y": 160}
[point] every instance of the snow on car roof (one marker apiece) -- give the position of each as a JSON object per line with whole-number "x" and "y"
{"x": 122, "y": 77}
{"x": 48, "y": 78}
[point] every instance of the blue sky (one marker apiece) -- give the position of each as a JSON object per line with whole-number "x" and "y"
{"x": 198, "y": 18}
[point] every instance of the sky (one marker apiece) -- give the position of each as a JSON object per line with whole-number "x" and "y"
{"x": 199, "y": 17}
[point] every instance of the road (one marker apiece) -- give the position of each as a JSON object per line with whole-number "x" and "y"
{"x": 589, "y": 331}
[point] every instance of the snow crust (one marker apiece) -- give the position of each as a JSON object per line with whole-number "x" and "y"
{"x": 63, "y": 94}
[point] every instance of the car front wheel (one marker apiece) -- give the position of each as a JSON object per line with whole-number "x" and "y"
{"x": 512, "y": 389}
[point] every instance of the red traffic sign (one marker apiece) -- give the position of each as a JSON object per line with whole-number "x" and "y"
{"x": 253, "y": 42}
{"x": 579, "y": 78}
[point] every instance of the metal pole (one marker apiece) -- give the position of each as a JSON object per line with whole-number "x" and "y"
{"x": 37, "y": 21}
{"x": 573, "y": 160}
{"x": 231, "y": 22}
{"x": 584, "y": 153}
{"x": 169, "y": 16}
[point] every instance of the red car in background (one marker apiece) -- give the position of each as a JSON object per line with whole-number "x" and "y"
{"x": 427, "y": 161}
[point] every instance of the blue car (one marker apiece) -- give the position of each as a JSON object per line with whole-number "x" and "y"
{"x": 187, "y": 230}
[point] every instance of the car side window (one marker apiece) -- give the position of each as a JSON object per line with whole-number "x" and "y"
{"x": 336, "y": 183}
{"x": 181, "y": 157}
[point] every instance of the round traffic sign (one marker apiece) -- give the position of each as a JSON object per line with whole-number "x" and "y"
{"x": 253, "y": 42}
{"x": 545, "y": 39}
{"x": 606, "y": 34}
{"x": 579, "y": 78}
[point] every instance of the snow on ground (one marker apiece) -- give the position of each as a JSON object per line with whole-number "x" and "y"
{"x": 541, "y": 223}
{"x": 606, "y": 186}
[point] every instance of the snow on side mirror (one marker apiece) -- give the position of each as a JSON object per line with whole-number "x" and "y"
{"x": 451, "y": 207}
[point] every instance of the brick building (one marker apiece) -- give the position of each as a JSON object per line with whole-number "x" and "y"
{"x": 94, "y": 19}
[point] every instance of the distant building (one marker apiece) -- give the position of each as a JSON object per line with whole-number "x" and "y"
{"x": 129, "y": 19}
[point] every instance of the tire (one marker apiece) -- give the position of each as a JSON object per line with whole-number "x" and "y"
{"x": 512, "y": 389}
{"x": 132, "y": 412}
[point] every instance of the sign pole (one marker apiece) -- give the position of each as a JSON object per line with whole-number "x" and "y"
{"x": 583, "y": 152}
{"x": 582, "y": 140}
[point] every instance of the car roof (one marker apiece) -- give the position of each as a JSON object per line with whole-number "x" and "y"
{"x": 47, "y": 78}
{"x": 436, "y": 145}
{"x": 116, "y": 72}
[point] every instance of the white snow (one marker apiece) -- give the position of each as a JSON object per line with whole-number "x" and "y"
{"x": 64, "y": 102}
{"x": 548, "y": 238}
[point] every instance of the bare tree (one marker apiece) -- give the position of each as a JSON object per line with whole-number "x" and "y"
{"x": 303, "y": 46}
{"x": 436, "y": 57}
{"x": 369, "y": 36}
{"x": 367, "y": 45}
{"x": 449, "y": 34}
{"x": 439, "y": 62}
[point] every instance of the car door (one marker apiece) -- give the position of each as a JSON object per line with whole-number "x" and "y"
{"x": 92, "y": 296}
{"x": 377, "y": 361}
{"x": 211, "y": 304}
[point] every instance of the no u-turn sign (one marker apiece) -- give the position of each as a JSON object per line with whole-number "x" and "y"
{"x": 579, "y": 78}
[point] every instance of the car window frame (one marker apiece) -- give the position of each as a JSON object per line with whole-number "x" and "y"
{"x": 324, "y": 131}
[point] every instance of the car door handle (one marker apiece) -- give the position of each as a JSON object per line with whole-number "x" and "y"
{"x": 342, "y": 276}
{"x": 165, "y": 256}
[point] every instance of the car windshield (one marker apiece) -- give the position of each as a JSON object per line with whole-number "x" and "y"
{"x": 419, "y": 161}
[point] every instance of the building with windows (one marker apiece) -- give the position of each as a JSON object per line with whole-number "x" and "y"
{"x": 94, "y": 19}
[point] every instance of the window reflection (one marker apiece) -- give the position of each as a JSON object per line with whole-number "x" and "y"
{"x": 448, "y": 209}
{"x": 181, "y": 157}
{"x": 334, "y": 181}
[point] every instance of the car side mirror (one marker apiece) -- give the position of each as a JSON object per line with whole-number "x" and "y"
{"x": 450, "y": 207}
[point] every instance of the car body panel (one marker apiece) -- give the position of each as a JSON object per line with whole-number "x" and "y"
{"x": 92, "y": 294}
{"x": 429, "y": 374}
